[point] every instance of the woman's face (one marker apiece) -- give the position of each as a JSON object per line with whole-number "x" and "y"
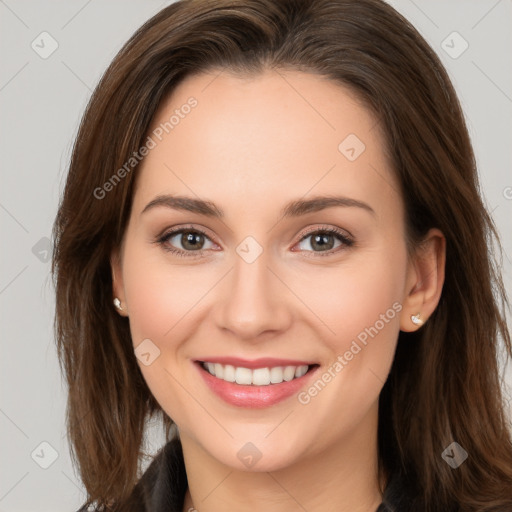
{"x": 267, "y": 270}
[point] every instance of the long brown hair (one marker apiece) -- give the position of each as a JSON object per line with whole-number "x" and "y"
{"x": 444, "y": 384}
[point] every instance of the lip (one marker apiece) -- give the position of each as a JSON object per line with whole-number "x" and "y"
{"x": 249, "y": 396}
{"x": 262, "y": 362}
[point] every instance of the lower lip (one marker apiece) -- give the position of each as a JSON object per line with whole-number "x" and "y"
{"x": 253, "y": 397}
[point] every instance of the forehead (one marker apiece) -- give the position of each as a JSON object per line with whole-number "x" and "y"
{"x": 274, "y": 134}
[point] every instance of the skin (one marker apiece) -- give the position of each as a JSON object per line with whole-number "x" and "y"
{"x": 251, "y": 145}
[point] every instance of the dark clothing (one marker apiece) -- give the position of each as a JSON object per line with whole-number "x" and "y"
{"x": 163, "y": 485}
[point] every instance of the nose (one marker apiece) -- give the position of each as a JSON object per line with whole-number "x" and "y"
{"x": 253, "y": 300}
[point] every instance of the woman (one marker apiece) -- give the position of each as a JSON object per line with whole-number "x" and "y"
{"x": 331, "y": 345}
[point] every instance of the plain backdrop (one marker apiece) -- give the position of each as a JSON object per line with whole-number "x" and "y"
{"x": 53, "y": 54}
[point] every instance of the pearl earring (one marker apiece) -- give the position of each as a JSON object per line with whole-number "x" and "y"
{"x": 416, "y": 319}
{"x": 117, "y": 304}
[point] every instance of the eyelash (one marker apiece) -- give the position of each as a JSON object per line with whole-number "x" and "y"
{"x": 163, "y": 239}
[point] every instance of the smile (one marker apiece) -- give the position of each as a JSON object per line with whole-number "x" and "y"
{"x": 267, "y": 383}
{"x": 257, "y": 377}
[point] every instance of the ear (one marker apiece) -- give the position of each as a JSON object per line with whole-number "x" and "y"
{"x": 424, "y": 282}
{"x": 117, "y": 282}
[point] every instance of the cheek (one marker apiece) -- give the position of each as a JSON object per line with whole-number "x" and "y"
{"x": 159, "y": 296}
{"x": 361, "y": 307}
{"x": 162, "y": 301}
{"x": 166, "y": 303}
{"x": 353, "y": 298}
{"x": 360, "y": 311}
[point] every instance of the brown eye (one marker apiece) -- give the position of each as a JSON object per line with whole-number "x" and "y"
{"x": 191, "y": 240}
{"x": 324, "y": 240}
{"x": 184, "y": 241}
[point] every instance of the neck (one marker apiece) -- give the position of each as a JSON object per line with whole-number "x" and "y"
{"x": 342, "y": 478}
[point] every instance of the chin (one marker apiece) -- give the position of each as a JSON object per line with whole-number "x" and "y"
{"x": 255, "y": 456}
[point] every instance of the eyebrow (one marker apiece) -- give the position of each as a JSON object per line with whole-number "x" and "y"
{"x": 294, "y": 208}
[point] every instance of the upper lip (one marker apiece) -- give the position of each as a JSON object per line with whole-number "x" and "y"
{"x": 263, "y": 362}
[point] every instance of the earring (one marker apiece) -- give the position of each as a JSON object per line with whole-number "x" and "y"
{"x": 117, "y": 304}
{"x": 416, "y": 320}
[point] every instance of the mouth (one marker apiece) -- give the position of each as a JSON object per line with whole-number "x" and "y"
{"x": 268, "y": 382}
{"x": 266, "y": 376}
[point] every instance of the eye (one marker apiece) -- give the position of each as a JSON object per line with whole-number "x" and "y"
{"x": 190, "y": 239}
{"x": 325, "y": 239}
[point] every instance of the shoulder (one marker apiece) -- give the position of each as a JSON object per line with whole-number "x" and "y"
{"x": 164, "y": 483}
{"x": 161, "y": 488}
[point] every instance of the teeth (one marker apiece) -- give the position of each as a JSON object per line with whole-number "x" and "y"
{"x": 261, "y": 377}
{"x": 242, "y": 376}
{"x": 258, "y": 377}
{"x": 301, "y": 370}
{"x": 219, "y": 370}
{"x": 289, "y": 373}
{"x": 229, "y": 373}
{"x": 276, "y": 375}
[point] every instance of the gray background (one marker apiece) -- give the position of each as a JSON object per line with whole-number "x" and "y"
{"x": 42, "y": 100}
